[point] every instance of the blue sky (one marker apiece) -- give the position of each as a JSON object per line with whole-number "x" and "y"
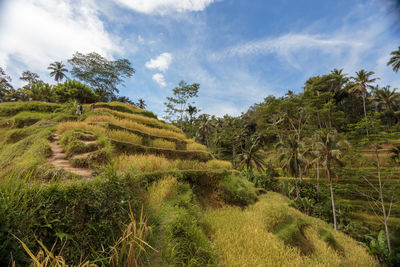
{"x": 239, "y": 51}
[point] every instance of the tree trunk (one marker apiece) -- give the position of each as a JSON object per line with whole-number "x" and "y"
{"x": 385, "y": 216}
{"x": 364, "y": 96}
{"x": 318, "y": 180}
{"x": 332, "y": 199}
{"x": 297, "y": 187}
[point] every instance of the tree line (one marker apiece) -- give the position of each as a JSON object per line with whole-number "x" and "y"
{"x": 97, "y": 79}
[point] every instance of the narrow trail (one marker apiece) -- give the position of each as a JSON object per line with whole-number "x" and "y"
{"x": 60, "y": 161}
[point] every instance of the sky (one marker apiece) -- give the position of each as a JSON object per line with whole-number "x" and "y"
{"x": 240, "y": 51}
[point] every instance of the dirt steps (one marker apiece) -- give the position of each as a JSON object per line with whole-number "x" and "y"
{"x": 59, "y": 159}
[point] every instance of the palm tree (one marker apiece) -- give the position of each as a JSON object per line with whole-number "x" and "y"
{"x": 192, "y": 110}
{"x": 141, "y": 104}
{"x": 360, "y": 85}
{"x": 293, "y": 159}
{"x": 205, "y": 128}
{"x": 316, "y": 156}
{"x": 58, "y": 70}
{"x": 252, "y": 156}
{"x": 395, "y": 60}
{"x": 331, "y": 147}
{"x": 386, "y": 97}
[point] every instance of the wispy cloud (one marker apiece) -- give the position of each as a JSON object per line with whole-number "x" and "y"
{"x": 164, "y": 7}
{"x": 35, "y": 33}
{"x": 159, "y": 79}
{"x": 161, "y": 62}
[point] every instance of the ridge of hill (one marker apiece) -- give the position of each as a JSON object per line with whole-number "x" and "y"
{"x": 151, "y": 197}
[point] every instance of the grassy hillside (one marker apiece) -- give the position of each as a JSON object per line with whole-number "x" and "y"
{"x": 153, "y": 197}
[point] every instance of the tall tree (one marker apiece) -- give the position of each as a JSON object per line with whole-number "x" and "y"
{"x": 30, "y": 77}
{"x": 176, "y": 105}
{"x": 292, "y": 159}
{"x": 192, "y": 111}
{"x": 252, "y": 156}
{"x": 386, "y": 98}
{"x": 395, "y": 60}
{"x": 101, "y": 74}
{"x": 5, "y": 84}
{"x": 141, "y": 104}
{"x": 331, "y": 147}
{"x": 58, "y": 70}
{"x": 361, "y": 84}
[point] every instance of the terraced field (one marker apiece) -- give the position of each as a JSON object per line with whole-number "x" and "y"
{"x": 117, "y": 187}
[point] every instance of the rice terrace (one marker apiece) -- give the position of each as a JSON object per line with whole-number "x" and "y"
{"x": 283, "y": 149}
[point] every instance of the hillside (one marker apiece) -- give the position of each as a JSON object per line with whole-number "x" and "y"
{"x": 116, "y": 186}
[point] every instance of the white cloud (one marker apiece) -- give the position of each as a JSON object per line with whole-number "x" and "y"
{"x": 163, "y": 7}
{"x": 159, "y": 78}
{"x": 35, "y": 33}
{"x": 161, "y": 63}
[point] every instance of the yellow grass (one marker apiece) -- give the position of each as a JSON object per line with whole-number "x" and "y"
{"x": 124, "y": 136}
{"x": 246, "y": 238}
{"x": 218, "y": 164}
{"x": 139, "y": 118}
{"x": 196, "y": 146}
{"x": 135, "y": 126}
{"x": 74, "y": 125}
{"x": 161, "y": 191}
{"x": 161, "y": 143}
{"x": 149, "y": 163}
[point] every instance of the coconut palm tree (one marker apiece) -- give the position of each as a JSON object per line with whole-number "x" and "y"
{"x": 58, "y": 70}
{"x": 315, "y": 155}
{"x": 252, "y": 156}
{"x": 141, "y": 104}
{"x": 330, "y": 147}
{"x": 386, "y": 97}
{"x": 293, "y": 159}
{"x": 395, "y": 60}
{"x": 205, "y": 128}
{"x": 361, "y": 83}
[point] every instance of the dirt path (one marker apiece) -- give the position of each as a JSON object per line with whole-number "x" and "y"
{"x": 60, "y": 161}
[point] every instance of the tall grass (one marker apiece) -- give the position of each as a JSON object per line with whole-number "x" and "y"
{"x": 161, "y": 143}
{"x": 196, "y": 146}
{"x": 131, "y": 248}
{"x": 124, "y": 136}
{"x": 246, "y": 238}
{"x": 136, "y": 126}
{"x": 74, "y": 125}
{"x": 142, "y": 119}
{"x": 149, "y": 163}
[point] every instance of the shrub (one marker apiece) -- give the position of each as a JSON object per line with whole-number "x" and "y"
{"x": 237, "y": 190}
{"x": 74, "y": 90}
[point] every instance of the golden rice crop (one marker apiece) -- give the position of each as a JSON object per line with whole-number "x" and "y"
{"x": 246, "y": 238}
{"x": 124, "y": 136}
{"x": 218, "y": 164}
{"x": 135, "y": 126}
{"x": 161, "y": 143}
{"x": 149, "y": 163}
{"x": 196, "y": 146}
{"x": 74, "y": 125}
{"x": 161, "y": 191}
{"x": 141, "y": 119}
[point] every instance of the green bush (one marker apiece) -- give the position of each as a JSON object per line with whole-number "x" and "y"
{"x": 237, "y": 190}
{"x": 74, "y": 90}
{"x": 80, "y": 216}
